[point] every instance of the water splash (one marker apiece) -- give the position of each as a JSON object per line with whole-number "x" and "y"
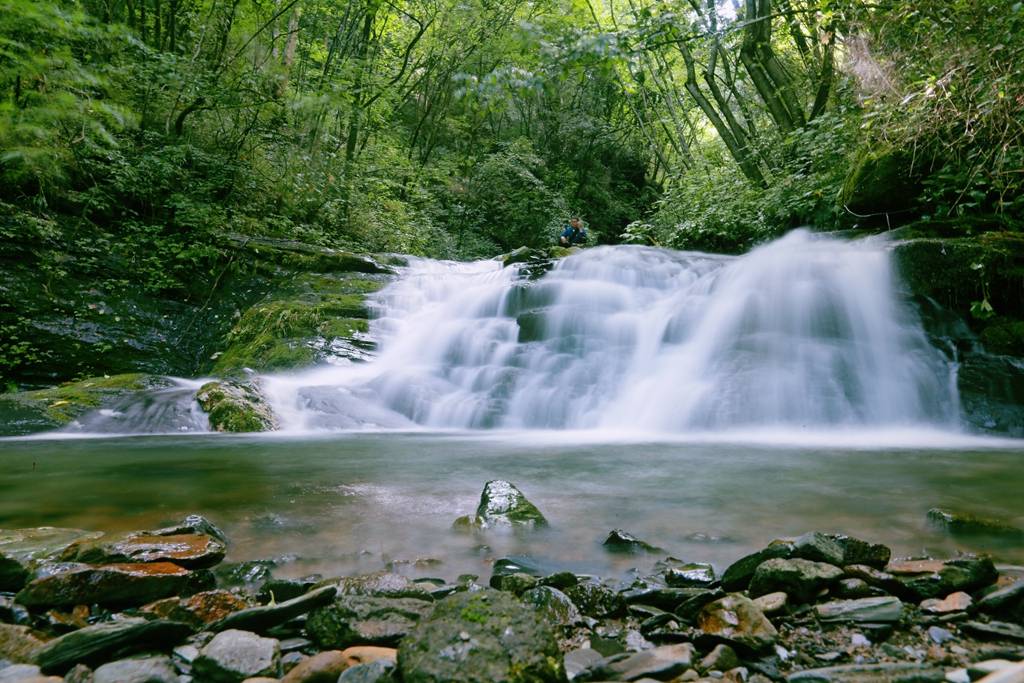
{"x": 807, "y": 332}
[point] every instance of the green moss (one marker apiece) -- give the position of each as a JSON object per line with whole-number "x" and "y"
{"x": 880, "y": 180}
{"x": 66, "y": 402}
{"x": 344, "y": 327}
{"x": 235, "y": 407}
{"x": 1005, "y": 336}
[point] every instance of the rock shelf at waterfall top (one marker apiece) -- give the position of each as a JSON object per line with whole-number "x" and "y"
{"x": 160, "y": 606}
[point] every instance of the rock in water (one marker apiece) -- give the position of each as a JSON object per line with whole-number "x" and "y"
{"x": 112, "y": 584}
{"x": 235, "y": 406}
{"x": 620, "y": 541}
{"x": 963, "y": 524}
{"x": 232, "y": 656}
{"x": 800, "y": 579}
{"x": 737, "y": 618}
{"x": 503, "y": 505}
{"x": 482, "y": 637}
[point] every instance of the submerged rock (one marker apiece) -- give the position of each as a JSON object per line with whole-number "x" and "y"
{"x": 235, "y": 406}
{"x": 503, "y": 505}
{"x": 620, "y": 541}
{"x": 112, "y": 584}
{"x": 963, "y": 524}
{"x": 482, "y": 637}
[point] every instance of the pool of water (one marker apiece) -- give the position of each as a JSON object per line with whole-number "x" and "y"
{"x": 343, "y": 503}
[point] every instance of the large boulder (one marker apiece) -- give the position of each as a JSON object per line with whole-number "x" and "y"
{"x": 800, "y": 579}
{"x": 481, "y": 637}
{"x": 236, "y": 406}
{"x": 232, "y": 656}
{"x": 736, "y": 619}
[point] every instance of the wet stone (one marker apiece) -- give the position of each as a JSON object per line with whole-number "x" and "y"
{"x": 482, "y": 637}
{"x": 923, "y": 579}
{"x": 113, "y": 584}
{"x": 1008, "y": 598}
{"x": 554, "y": 606}
{"x": 738, "y": 574}
{"x": 660, "y": 663}
{"x": 383, "y": 585}
{"x": 620, "y": 541}
{"x": 818, "y": 547}
{"x": 595, "y": 599}
{"x": 264, "y": 617}
{"x": 690, "y": 575}
{"x": 503, "y": 505}
{"x": 92, "y": 644}
{"x": 193, "y": 551}
{"x": 232, "y": 656}
{"x": 13, "y": 576}
{"x": 864, "y": 610}
{"x": 280, "y": 590}
{"x": 665, "y": 598}
{"x": 737, "y": 619}
{"x": 364, "y": 620}
{"x": 963, "y": 524}
{"x": 517, "y": 583}
{"x": 800, "y": 579}
{"x": 140, "y": 670}
{"x": 856, "y": 551}
{"x": 200, "y": 609}
{"x": 852, "y": 589}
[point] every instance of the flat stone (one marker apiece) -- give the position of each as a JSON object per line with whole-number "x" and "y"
{"x": 40, "y": 544}
{"x": 876, "y": 578}
{"x": 693, "y": 574}
{"x": 939, "y": 635}
{"x": 25, "y": 673}
{"x": 140, "y": 670}
{"x": 865, "y": 610}
{"x": 721, "y": 658}
{"x": 1009, "y": 674}
{"x": 802, "y": 580}
{"x": 233, "y": 656}
{"x": 554, "y": 606}
{"x": 923, "y": 579}
{"x": 383, "y": 585}
{"x": 482, "y": 637}
{"x": 660, "y": 663}
{"x": 995, "y": 630}
{"x": 954, "y": 602}
{"x": 772, "y": 602}
{"x": 737, "y": 619}
{"x": 112, "y": 584}
{"x": 18, "y": 644}
{"x": 576, "y": 662}
{"x": 193, "y": 524}
{"x": 1010, "y": 597}
{"x": 739, "y": 573}
{"x": 364, "y": 620}
{"x": 200, "y": 609}
{"x": 324, "y": 667}
{"x": 870, "y": 673}
{"x": 620, "y": 541}
{"x": 92, "y": 645}
{"x": 193, "y": 551}
{"x": 380, "y": 671}
{"x": 264, "y": 617}
{"x": 664, "y": 598}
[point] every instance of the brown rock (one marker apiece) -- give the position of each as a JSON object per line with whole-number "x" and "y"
{"x": 195, "y": 551}
{"x": 113, "y": 584}
{"x": 954, "y": 602}
{"x": 772, "y": 603}
{"x": 200, "y": 609}
{"x": 364, "y": 654}
{"x": 324, "y": 667}
{"x": 18, "y": 643}
{"x": 738, "y": 619}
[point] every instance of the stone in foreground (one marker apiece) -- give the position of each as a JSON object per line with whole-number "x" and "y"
{"x": 232, "y": 656}
{"x": 503, "y": 505}
{"x": 901, "y": 672}
{"x": 800, "y": 579}
{"x": 140, "y": 670}
{"x": 883, "y": 610}
{"x": 93, "y": 644}
{"x": 482, "y": 637}
{"x": 364, "y": 620}
{"x": 112, "y": 584}
{"x": 737, "y": 619}
{"x": 660, "y": 663}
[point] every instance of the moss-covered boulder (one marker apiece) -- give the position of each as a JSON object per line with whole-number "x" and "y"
{"x": 308, "y": 318}
{"x": 502, "y": 505}
{"x": 26, "y": 412}
{"x": 881, "y": 180}
{"x": 235, "y": 406}
{"x": 481, "y": 637}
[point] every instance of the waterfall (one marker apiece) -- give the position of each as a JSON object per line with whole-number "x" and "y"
{"x": 805, "y": 332}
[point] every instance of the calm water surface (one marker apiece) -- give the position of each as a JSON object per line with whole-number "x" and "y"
{"x": 362, "y": 501}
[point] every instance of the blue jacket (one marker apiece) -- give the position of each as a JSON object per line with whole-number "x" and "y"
{"x": 575, "y": 236}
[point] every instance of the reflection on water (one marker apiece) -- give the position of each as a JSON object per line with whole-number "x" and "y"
{"x": 356, "y": 502}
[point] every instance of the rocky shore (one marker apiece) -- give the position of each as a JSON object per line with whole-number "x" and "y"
{"x": 162, "y": 606}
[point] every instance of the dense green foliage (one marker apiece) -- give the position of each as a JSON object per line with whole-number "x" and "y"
{"x": 146, "y": 133}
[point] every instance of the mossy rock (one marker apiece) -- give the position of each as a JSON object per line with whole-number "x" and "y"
{"x": 42, "y": 409}
{"x": 236, "y": 407}
{"x": 1004, "y": 336}
{"x": 309, "y": 318}
{"x": 308, "y": 257}
{"x": 882, "y": 180}
{"x": 502, "y": 505}
{"x": 481, "y": 637}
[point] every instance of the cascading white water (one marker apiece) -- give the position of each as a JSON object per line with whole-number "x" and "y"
{"x": 805, "y": 332}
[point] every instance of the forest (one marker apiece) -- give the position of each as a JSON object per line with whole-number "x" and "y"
{"x": 141, "y": 139}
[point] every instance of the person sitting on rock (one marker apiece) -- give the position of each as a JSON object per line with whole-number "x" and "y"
{"x": 574, "y": 234}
